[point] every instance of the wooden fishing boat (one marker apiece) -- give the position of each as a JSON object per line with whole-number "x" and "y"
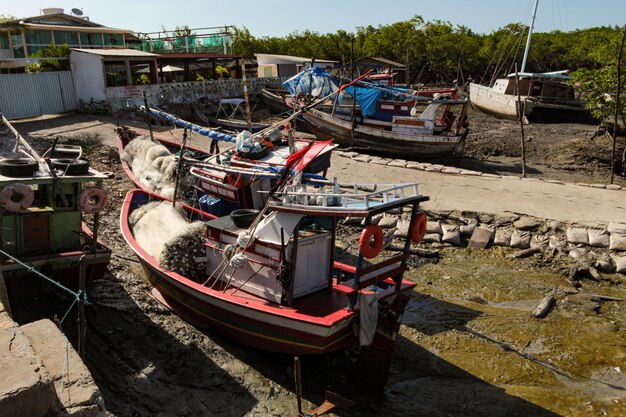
{"x": 274, "y": 100}
{"x": 233, "y": 177}
{"x": 286, "y": 292}
{"x": 230, "y": 115}
{"x": 435, "y": 132}
{"x": 533, "y": 97}
{"x": 43, "y": 206}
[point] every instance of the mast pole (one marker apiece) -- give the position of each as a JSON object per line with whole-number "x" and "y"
{"x": 530, "y": 34}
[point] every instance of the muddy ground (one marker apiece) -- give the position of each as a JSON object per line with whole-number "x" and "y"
{"x": 468, "y": 345}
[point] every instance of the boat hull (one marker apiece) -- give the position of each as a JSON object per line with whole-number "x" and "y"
{"x": 245, "y": 326}
{"x": 505, "y": 106}
{"x": 407, "y": 146}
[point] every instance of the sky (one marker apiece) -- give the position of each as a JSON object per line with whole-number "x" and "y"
{"x": 281, "y": 17}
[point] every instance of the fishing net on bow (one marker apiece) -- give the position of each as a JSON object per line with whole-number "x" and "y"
{"x": 154, "y": 165}
{"x": 184, "y": 253}
{"x": 163, "y": 232}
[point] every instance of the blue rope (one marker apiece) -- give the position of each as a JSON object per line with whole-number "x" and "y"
{"x": 45, "y": 278}
{"x": 196, "y": 128}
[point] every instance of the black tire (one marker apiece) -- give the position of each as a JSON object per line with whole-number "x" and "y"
{"x": 18, "y": 167}
{"x": 243, "y": 218}
{"x": 71, "y": 166}
{"x": 255, "y": 154}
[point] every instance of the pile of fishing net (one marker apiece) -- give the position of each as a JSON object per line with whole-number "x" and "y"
{"x": 162, "y": 231}
{"x": 153, "y": 164}
{"x": 185, "y": 253}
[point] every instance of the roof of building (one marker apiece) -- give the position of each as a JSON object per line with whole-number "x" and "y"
{"x": 63, "y": 22}
{"x": 270, "y": 59}
{"x": 384, "y": 61}
{"x": 117, "y": 52}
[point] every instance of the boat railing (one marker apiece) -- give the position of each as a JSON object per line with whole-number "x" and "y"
{"x": 298, "y": 195}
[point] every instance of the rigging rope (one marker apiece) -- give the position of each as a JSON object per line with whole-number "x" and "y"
{"x": 32, "y": 269}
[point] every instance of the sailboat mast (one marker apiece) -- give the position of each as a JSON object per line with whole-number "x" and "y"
{"x": 530, "y": 34}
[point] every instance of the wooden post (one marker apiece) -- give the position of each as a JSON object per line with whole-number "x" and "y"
{"x": 297, "y": 374}
{"x": 145, "y": 103}
{"x": 354, "y": 95}
{"x": 4, "y": 295}
{"x": 619, "y": 87}
{"x": 521, "y": 109}
{"x": 82, "y": 325}
{"x": 245, "y": 96}
{"x": 179, "y": 172}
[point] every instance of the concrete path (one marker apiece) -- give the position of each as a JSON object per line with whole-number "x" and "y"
{"x": 563, "y": 202}
{"x": 566, "y": 202}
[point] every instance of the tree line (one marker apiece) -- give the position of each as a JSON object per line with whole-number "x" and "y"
{"x": 437, "y": 52}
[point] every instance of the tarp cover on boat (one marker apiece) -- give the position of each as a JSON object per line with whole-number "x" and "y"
{"x": 366, "y": 97}
{"x": 314, "y": 81}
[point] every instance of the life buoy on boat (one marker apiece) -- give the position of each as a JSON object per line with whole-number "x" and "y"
{"x": 16, "y": 197}
{"x": 418, "y": 227}
{"x": 92, "y": 200}
{"x": 371, "y": 241}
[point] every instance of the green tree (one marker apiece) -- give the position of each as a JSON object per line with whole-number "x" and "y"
{"x": 598, "y": 82}
{"x": 52, "y": 64}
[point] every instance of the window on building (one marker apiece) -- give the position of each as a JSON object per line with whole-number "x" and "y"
{"x": 70, "y": 38}
{"x": 115, "y": 74}
{"x": 18, "y": 46}
{"x": 4, "y": 40}
{"x": 90, "y": 39}
{"x": 39, "y": 37}
{"x": 113, "y": 39}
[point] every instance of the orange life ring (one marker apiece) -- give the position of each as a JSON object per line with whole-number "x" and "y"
{"x": 92, "y": 200}
{"x": 418, "y": 227}
{"x": 371, "y": 241}
{"x": 16, "y": 197}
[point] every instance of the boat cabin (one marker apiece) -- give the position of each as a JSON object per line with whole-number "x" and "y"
{"x": 291, "y": 251}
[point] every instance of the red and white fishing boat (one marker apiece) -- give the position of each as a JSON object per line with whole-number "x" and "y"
{"x": 276, "y": 284}
{"x": 232, "y": 176}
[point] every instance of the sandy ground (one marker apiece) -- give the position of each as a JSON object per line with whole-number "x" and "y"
{"x": 468, "y": 344}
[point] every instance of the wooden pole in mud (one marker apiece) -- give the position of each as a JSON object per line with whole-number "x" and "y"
{"x": 619, "y": 87}
{"x": 245, "y": 97}
{"x": 82, "y": 324}
{"x": 145, "y": 103}
{"x": 179, "y": 172}
{"x": 520, "y": 111}
{"x": 298, "y": 380}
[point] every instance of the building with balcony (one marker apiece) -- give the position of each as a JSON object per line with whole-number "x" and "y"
{"x": 21, "y": 38}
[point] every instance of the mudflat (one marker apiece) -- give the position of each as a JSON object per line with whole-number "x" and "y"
{"x": 469, "y": 344}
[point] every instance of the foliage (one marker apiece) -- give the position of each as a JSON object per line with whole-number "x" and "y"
{"x": 438, "y": 52}
{"x": 222, "y": 72}
{"x": 52, "y": 51}
{"x": 142, "y": 79}
{"x": 598, "y": 81}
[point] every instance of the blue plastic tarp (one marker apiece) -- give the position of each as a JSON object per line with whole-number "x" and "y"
{"x": 313, "y": 81}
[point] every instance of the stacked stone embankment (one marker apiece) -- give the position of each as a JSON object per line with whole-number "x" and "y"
{"x": 601, "y": 246}
{"x": 41, "y": 374}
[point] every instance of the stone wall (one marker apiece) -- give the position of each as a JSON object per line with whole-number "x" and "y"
{"x": 187, "y": 93}
{"x": 594, "y": 246}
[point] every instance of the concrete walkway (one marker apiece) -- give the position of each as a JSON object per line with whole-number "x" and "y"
{"x": 563, "y": 202}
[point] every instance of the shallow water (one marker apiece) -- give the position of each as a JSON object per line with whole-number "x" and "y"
{"x": 471, "y": 316}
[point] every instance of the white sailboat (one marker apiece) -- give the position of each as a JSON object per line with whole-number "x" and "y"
{"x": 543, "y": 97}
